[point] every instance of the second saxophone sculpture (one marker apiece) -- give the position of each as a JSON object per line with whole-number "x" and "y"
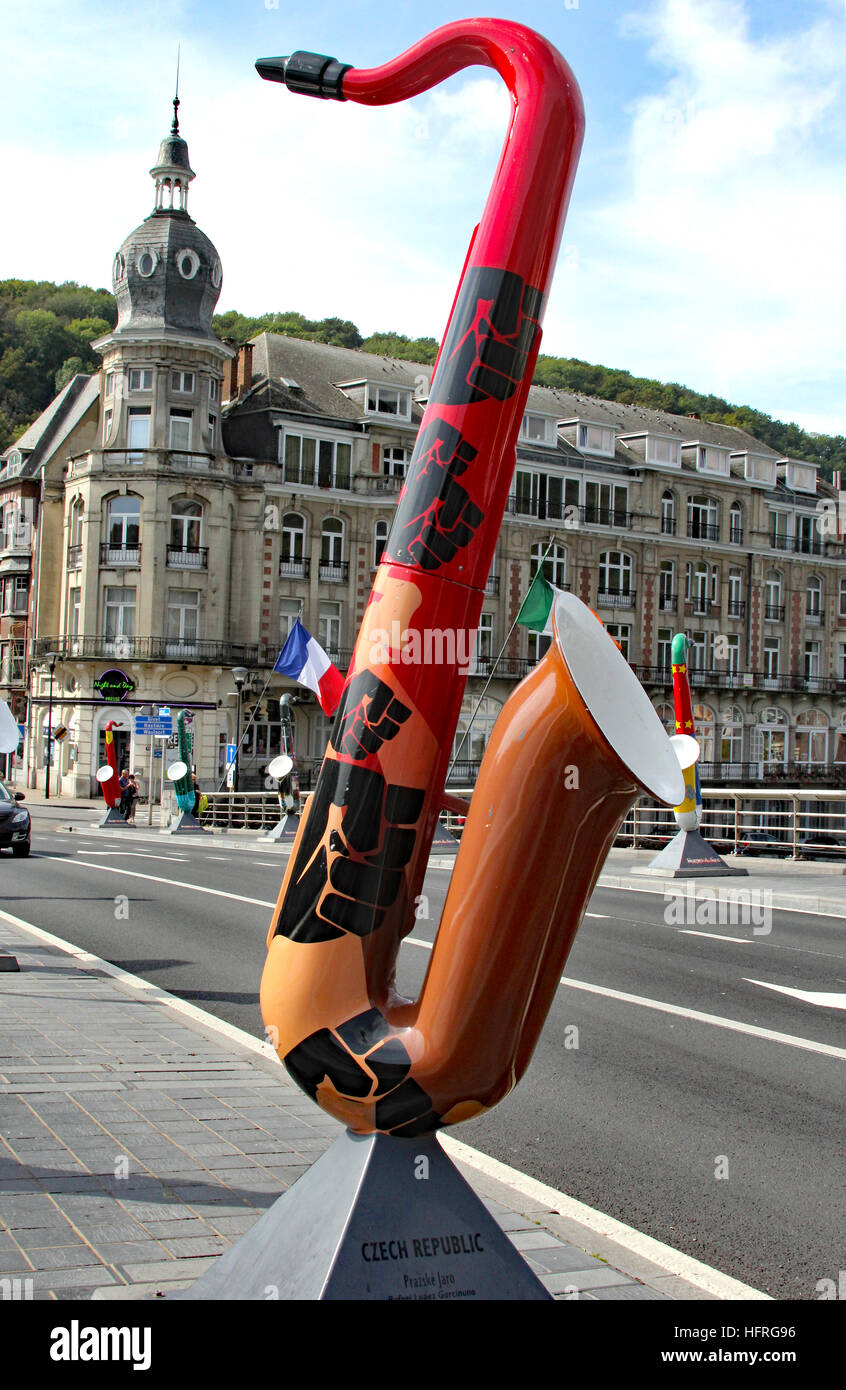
{"x": 532, "y": 847}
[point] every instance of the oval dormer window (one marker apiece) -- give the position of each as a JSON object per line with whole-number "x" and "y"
{"x": 217, "y": 273}
{"x": 146, "y": 263}
{"x": 188, "y": 263}
{"x": 119, "y": 267}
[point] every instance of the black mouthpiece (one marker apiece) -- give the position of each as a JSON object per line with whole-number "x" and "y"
{"x": 312, "y": 74}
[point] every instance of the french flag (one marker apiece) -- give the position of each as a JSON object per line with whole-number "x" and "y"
{"x": 305, "y": 661}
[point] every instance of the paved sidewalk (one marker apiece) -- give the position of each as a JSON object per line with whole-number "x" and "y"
{"x": 141, "y": 1137}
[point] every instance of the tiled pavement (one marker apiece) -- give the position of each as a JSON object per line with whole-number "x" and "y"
{"x": 138, "y": 1142}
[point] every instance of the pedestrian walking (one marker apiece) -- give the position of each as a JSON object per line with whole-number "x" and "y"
{"x": 123, "y": 783}
{"x": 133, "y": 792}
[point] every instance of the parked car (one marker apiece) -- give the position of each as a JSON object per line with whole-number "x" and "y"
{"x": 760, "y": 842}
{"x": 822, "y": 847}
{"x": 15, "y": 823}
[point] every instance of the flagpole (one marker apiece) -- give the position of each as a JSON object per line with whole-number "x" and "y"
{"x": 497, "y": 661}
{"x": 233, "y": 760}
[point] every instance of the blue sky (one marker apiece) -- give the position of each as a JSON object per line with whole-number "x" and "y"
{"x": 704, "y": 241}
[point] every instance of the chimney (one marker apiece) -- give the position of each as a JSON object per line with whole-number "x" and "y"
{"x": 229, "y": 389}
{"x": 245, "y": 368}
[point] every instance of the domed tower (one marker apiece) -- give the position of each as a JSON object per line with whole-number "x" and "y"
{"x": 162, "y": 364}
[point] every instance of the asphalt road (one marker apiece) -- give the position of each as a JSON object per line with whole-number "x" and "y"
{"x": 697, "y": 1130}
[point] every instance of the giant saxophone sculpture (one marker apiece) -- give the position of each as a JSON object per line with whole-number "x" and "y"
{"x": 532, "y": 847}
{"x": 184, "y": 786}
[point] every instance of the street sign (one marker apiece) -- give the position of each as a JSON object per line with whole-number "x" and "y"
{"x": 145, "y": 725}
{"x": 230, "y": 765}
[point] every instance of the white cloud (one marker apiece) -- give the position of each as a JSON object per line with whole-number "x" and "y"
{"x": 719, "y": 261}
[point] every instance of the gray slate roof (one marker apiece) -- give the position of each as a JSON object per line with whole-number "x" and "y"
{"x": 56, "y": 422}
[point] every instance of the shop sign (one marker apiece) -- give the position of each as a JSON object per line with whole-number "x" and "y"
{"x": 114, "y": 685}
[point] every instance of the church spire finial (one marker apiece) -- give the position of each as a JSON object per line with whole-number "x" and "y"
{"x": 174, "y": 130}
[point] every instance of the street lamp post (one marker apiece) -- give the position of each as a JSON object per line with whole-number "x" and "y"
{"x": 52, "y": 658}
{"x": 239, "y": 675}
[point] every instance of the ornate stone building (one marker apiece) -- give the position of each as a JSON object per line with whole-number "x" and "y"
{"x": 167, "y": 520}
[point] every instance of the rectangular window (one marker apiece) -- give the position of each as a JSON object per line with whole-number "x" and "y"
{"x": 329, "y": 628}
{"x": 139, "y": 433}
{"x": 212, "y": 429}
{"x": 289, "y": 611}
{"x": 594, "y": 439}
{"x": 107, "y": 425}
{"x": 74, "y": 610}
{"x": 622, "y": 634}
{"x": 606, "y": 504}
{"x": 388, "y": 400}
{"x": 666, "y": 451}
{"x": 733, "y": 655}
{"x": 812, "y": 661}
{"x": 183, "y": 618}
{"x": 772, "y": 646}
{"x": 483, "y": 650}
{"x": 713, "y": 461}
{"x": 322, "y": 462}
{"x": 180, "y": 430}
{"x": 213, "y": 388}
{"x": 535, "y": 428}
{"x": 394, "y": 462}
{"x": 119, "y": 612}
{"x": 182, "y": 382}
{"x": 665, "y": 642}
{"x": 141, "y": 379}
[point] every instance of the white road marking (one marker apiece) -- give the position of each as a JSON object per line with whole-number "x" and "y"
{"x": 224, "y": 858}
{"x": 135, "y": 854}
{"x": 715, "y": 1020}
{"x": 674, "y": 1261}
{"x": 604, "y": 915}
{"x": 739, "y": 940}
{"x": 807, "y": 996}
{"x": 170, "y": 882}
{"x": 266, "y": 864}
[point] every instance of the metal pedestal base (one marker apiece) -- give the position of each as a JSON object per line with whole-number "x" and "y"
{"x": 114, "y": 817}
{"x": 376, "y": 1218}
{"x": 284, "y": 829}
{"x": 443, "y": 842}
{"x": 688, "y": 856}
{"x": 187, "y": 823}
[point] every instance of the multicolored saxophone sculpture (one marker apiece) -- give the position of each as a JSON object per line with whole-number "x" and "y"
{"x": 111, "y": 785}
{"x": 534, "y": 841}
{"x": 184, "y": 786}
{"x": 688, "y": 813}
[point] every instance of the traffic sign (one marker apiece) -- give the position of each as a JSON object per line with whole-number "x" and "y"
{"x": 145, "y": 725}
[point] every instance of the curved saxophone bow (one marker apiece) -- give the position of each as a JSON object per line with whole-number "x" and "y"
{"x": 374, "y": 1060}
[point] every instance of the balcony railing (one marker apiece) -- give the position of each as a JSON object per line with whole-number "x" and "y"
{"x": 492, "y": 585}
{"x": 774, "y": 612}
{"x": 813, "y": 619}
{"x": 187, "y": 557}
{"x": 372, "y": 484}
{"x": 294, "y": 568}
{"x": 736, "y": 608}
{"x": 800, "y": 545}
{"x": 703, "y": 531}
{"x": 736, "y": 535}
{"x": 568, "y": 512}
{"x": 668, "y": 525}
{"x": 668, "y": 603}
{"x": 508, "y": 667}
{"x": 334, "y": 571}
{"x": 120, "y": 556}
{"x": 743, "y": 680}
{"x": 105, "y": 645}
{"x": 608, "y": 599}
{"x": 700, "y": 607}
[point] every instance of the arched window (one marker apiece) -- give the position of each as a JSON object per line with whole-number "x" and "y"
{"x": 332, "y": 549}
{"x": 554, "y": 565}
{"x": 814, "y": 599}
{"x": 186, "y": 524}
{"x": 668, "y": 593}
{"x": 668, "y": 514}
{"x": 735, "y": 524}
{"x": 75, "y": 523}
{"x": 811, "y": 737}
{"x": 292, "y": 561}
{"x": 615, "y": 575}
{"x": 123, "y": 527}
{"x": 380, "y": 538}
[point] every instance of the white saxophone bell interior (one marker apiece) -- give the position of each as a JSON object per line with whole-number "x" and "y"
{"x": 616, "y": 700}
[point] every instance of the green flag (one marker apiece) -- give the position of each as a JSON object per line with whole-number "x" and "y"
{"x": 536, "y": 608}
